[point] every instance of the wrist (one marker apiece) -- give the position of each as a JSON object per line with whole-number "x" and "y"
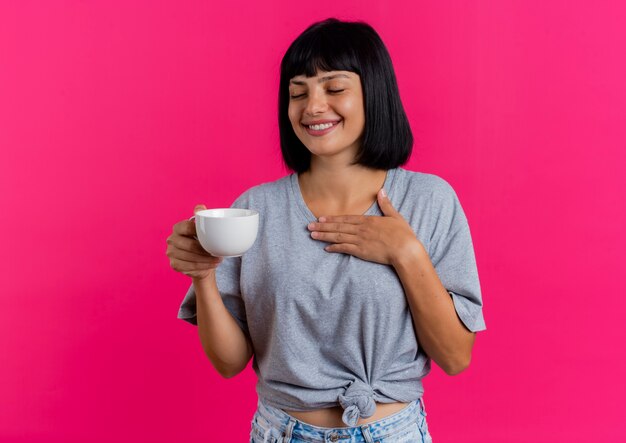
{"x": 207, "y": 280}
{"x": 410, "y": 255}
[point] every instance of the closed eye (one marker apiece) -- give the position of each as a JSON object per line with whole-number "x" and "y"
{"x": 330, "y": 91}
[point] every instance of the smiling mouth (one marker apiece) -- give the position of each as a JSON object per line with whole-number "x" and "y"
{"x": 322, "y": 128}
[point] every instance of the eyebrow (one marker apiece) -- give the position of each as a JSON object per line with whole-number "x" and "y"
{"x": 323, "y": 79}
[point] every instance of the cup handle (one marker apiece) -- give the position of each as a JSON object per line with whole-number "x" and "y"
{"x": 193, "y": 217}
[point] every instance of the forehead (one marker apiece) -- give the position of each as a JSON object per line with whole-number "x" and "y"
{"x": 322, "y": 76}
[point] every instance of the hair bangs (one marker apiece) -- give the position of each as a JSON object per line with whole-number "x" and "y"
{"x": 334, "y": 45}
{"x": 321, "y": 51}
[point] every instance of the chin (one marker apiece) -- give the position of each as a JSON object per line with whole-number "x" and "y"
{"x": 321, "y": 152}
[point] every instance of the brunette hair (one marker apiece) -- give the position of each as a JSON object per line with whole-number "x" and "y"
{"x": 334, "y": 45}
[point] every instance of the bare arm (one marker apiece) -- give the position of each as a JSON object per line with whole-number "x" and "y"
{"x": 439, "y": 330}
{"x": 390, "y": 240}
{"x": 228, "y": 348}
{"x": 223, "y": 341}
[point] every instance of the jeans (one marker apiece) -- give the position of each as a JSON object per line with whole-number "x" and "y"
{"x": 272, "y": 425}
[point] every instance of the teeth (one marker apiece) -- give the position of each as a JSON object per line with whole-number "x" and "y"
{"x": 320, "y": 127}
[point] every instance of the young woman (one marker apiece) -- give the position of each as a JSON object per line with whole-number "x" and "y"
{"x": 362, "y": 271}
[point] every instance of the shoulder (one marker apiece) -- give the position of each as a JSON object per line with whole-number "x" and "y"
{"x": 429, "y": 196}
{"x": 419, "y": 184}
{"x": 263, "y": 193}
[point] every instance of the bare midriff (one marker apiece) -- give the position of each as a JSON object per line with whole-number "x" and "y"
{"x": 331, "y": 417}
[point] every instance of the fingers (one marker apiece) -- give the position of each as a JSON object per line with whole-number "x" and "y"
{"x": 187, "y": 266}
{"x": 180, "y": 254}
{"x": 386, "y": 206}
{"x": 188, "y": 227}
{"x": 352, "y": 219}
{"x": 334, "y": 227}
{"x": 195, "y": 274}
{"x": 344, "y": 248}
{"x": 336, "y": 232}
{"x": 183, "y": 243}
{"x": 335, "y": 237}
{"x": 185, "y": 252}
{"x": 185, "y": 227}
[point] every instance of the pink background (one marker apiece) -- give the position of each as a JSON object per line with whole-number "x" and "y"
{"x": 117, "y": 117}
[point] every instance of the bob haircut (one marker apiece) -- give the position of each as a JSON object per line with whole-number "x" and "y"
{"x": 334, "y": 45}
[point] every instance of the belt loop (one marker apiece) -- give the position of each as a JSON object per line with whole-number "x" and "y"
{"x": 287, "y": 436}
{"x": 365, "y": 429}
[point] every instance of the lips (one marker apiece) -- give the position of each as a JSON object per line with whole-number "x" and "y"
{"x": 321, "y": 131}
{"x": 320, "y": 122}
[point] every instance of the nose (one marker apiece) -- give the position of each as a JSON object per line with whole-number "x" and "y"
{"x": 316, "y": 103}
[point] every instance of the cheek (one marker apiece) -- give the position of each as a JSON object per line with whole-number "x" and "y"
{"x": 294, "y": 116}
{"x": 354, "y": 109}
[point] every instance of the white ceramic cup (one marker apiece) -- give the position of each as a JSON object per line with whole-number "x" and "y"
{"x": 226, "y": 232}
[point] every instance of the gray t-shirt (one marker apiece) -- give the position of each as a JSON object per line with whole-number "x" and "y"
{"x": 331, "y": 329}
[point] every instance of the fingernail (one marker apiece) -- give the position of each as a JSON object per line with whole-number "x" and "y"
{"x": 383, "y": 193}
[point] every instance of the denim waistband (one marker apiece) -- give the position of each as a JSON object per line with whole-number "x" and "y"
{"x": 269, "y": 416}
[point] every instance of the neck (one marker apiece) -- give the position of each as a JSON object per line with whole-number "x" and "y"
{"x": 340, "y": 186}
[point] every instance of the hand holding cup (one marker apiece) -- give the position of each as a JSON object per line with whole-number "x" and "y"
{"x": 185, "y": 252}
{"x": 227, "y": 232}
{"x": 197, "y": 248}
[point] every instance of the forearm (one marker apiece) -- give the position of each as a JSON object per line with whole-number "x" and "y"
{"x": 439, "y": 330}
{"x": 223, "y": 341}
